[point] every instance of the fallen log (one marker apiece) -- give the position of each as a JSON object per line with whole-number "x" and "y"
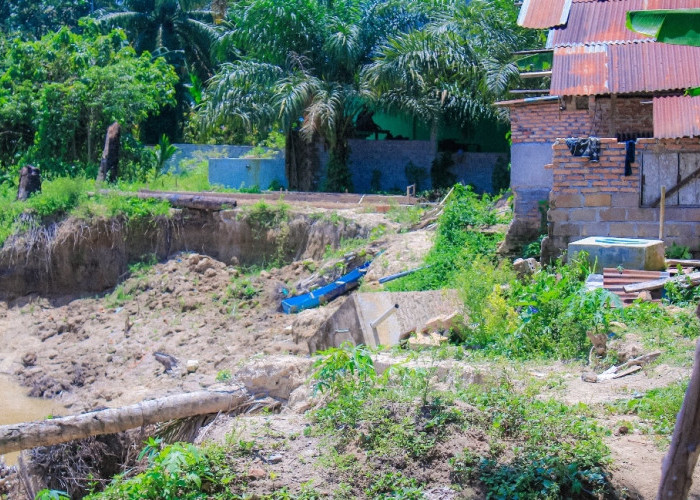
{"x": 661, "y": 282}
{"x": 15, "y": 437}
{"x": 204, "y": 201}
{"x": 197, "y": 202}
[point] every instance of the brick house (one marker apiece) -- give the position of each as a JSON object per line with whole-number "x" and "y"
{"x": 617, "y": 85}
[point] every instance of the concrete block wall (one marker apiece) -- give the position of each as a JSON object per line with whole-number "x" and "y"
{"x": 597, "y": 199}
{"x": 388, "y": 158}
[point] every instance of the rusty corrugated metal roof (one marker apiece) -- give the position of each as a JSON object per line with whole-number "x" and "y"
{"x": 605, "y": 21}
{"x": 624, "y": 68}
{"x": 541, "y": 14}
{"x": 676, "y": 117}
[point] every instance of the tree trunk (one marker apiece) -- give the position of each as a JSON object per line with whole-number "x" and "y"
{"x": 338, "y": 178}
{"x": 61, "y": 430}
{"x": 302, "y": 163}
{"x": 29, "y": 182}
{"x": 109, "y": 165}
{"x": 679, "y": 463}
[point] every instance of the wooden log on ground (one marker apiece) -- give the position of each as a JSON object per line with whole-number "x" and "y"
{"x": 183, "y": 200}
{"x": 661, "y": 282}
{"x": 197, "y": 202}
{"x": 22, "y": 436}
{"x": 679, "y": 463}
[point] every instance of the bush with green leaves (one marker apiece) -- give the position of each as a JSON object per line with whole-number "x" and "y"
{"x": 458, "y": 241}
{"x": 560, "y": 452}
{"x": 58, "y": 95}
{"x": 179, "y": 470}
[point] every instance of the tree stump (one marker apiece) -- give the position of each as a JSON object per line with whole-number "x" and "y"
{"x": 109, "y": 165}
{"x": 29, "y": 182}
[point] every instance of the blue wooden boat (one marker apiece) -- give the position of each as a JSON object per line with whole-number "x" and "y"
{"x": 326, "y": 293}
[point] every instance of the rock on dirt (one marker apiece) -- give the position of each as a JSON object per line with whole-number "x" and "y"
{"x": 274, "y": 376}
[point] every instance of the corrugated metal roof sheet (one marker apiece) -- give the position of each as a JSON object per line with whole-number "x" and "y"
{"x": 676, "y": 117}
{"x": 622, "y": 69}
{"x": 604, "y": 21}
{"x": 540, "y": 14}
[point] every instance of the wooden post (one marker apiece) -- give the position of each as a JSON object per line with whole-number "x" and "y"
{"x": 29, "y": 182}
{"x": 679, "y": 463}
{"x": 662, "y": 212}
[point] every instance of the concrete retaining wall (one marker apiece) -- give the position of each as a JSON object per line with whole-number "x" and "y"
{"x": 351, "y": 321}
{"x": 247, "y": 172}
{"x": 374, "y": 166}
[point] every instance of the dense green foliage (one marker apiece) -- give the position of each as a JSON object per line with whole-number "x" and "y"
{"x": 59, "y": 94}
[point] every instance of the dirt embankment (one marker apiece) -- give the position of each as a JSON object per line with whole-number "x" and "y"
{"x": 80, "y": 257}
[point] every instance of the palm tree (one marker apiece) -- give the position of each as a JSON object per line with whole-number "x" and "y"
{"x": 302, "y": 70}
{"x": 452, "y": 68}
{"x": 179, "y": 30}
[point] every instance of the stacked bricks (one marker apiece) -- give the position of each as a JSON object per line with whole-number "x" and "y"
{"x": 597, "y": 199}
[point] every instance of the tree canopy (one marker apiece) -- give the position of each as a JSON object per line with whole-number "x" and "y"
{"x": 59, "y": 93}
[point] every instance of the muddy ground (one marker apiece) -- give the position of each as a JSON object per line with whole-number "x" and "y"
{"x": 87, "y": 353}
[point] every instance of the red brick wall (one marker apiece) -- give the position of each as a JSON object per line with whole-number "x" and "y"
{"x": 545, "y": 122}
{"x": 597, "y": 199}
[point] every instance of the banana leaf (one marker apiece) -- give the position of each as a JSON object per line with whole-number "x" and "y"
{"x": 678, "y": 26}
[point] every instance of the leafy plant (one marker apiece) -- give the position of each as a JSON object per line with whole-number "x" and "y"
{"x": 180, "y": 470}
{"x": 341, "y": 369}
{"x": 676, "y": 251}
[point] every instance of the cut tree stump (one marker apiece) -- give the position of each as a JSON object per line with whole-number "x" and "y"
{"x": 23, "y": 436}
{"x": 29, "y": 182}
{"x": 109, "y": 165}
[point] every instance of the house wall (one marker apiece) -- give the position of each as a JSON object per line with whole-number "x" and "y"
{"x": 534, "y": 129}
{"x": 597, "y": 199}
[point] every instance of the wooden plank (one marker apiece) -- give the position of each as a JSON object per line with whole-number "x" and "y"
{"x": 689, "y": 167}
{"x": 683, "y": 262}
{"x": 659, "y": 283}
{"x": 674, "y": 191}
{"x": 679, "y": 462}
{"x": 659, "y": 169}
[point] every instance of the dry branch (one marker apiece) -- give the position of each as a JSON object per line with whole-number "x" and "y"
{"x": 16, "y": 437}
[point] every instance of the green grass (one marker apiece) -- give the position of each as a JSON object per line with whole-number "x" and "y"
{"x": 657, "y": 408}
{"x": 539, "y": 448}
{"x": 61, "y": 197}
